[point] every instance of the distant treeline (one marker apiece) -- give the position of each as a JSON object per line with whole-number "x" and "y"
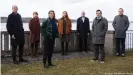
{"x": 26, "y": 20}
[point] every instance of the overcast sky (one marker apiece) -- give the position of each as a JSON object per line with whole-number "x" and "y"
{"x": 74, "y": 7}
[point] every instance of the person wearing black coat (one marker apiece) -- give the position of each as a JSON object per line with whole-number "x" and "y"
{"x": 16, "y": 31}
{"x": 83, "y": 29}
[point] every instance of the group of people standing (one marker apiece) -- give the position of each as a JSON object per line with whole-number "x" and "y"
{"x": 52, "y": 28}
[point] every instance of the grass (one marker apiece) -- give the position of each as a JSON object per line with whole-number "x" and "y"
{"x": 78, "y": 66}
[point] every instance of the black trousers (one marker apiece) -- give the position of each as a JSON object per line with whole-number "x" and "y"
{"x": 34, "y": 48}
{"x": 64, "y": 46}
{"x": 48, "y": 50}
{"x": 20, "y": 48}
{"x": 96, "y": 52}
{"x": 83, "y": 44}
{"x": 120, "y": 45}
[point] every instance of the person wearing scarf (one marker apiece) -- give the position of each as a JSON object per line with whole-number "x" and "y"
{"x": 34, "y": 27}
{"x": 50, "y": 32}
{"x": 64, "y": 29}
{"x": 99, "y": 29}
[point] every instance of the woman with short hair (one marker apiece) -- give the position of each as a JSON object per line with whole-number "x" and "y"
{"x": 34, "y": 27}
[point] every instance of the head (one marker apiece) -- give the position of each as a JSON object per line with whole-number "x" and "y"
{"x": 51, "y": 14}
{"x": 83, "y": 14}
{"x": 35, "y": 15}
{"x": 120, "y": 11}
{"x": 65, "y": 14}
{"x": 15, "y": 8}
{"x": 98, "y": 13}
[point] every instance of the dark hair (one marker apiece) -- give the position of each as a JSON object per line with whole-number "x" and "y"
{"x": 35, "y": 13}
{"x": 121, "y": 9}
{"x": 51, "y": 11}
{"x": 99, "y": 11}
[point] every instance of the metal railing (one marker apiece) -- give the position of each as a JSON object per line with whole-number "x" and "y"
{"x": 129, "y": 40}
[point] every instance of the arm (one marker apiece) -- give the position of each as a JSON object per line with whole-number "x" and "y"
{"x": 105, "y": 27}
{"x": 114, "y": 23}
{"x": 43, "y": 28}
{"x": 9, "y": 26}
{"x": 77, "y": 25}
{"x": 127, "y": 24}
{"x": 30, "y": 26}
{"x": 70, "y": 25}
{"x": 88, "y": 26}
{"x": 93, "y": 27}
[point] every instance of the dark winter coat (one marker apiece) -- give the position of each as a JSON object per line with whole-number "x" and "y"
{"x": 15, "y": 27}
{"x": 83, "y": 28}
{"x": 99, "y": 29}
{"x": 120, "y": 24}
{"x": 34, "y": 26}
{"x": 47, "y": 29}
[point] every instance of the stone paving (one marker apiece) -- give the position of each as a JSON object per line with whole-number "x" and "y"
{"x": 56, "y": 56}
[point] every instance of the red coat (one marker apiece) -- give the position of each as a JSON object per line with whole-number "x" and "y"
{"x": 34, "y": 26}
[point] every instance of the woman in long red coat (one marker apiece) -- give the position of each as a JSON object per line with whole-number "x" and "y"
{"x": 34, "y": 26}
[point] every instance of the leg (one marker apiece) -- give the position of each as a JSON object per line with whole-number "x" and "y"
{"x": 45, "y": 51}
{"x": 123, "y": 45}
{"x": 118, "y": 46}
{"x": 80, "y": 44}
{"x": 66, "y": 48}
{"x": 36, "y": 48}
{"x": 32, "y": 49}
{"x": 21, "y": 47}
{"x": 62, "y": 46}
{"x": 102, "y": 52}
{"x": 51, "y": 47}
{"x": 52, "y": 42}
{"x": 14, "y": 47}
{"x": 85, "y": 44}
{"x": 96, "y": 54}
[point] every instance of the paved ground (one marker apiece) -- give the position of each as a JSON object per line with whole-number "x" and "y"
{"x": 56, "y": 56}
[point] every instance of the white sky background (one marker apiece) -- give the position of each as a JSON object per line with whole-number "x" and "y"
{"x": 74, "y": 7}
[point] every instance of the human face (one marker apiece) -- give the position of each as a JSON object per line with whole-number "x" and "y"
{"x": 120, "y": 11}
{"x": 64, "y": 14}
{"x": 51, "y": 14}
{"x": 14, "y": 8}
{"x": 35, "y": 15}
{"x": 98, "y": 14}
{"x": 83, "y": 14}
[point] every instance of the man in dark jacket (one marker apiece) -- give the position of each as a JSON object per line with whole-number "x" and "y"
{"x": 99, "y": 29}
{"x": 50, "y": 32}
{"x": 83, "y": 29}
{"x": 120, "y": 24}
{"x": 16, "y": 31}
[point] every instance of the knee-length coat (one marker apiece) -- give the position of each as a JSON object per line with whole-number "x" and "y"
{"x": 99, "y": 29}
{"x": 15, "y": 27}
{"x": 34, "y": 26}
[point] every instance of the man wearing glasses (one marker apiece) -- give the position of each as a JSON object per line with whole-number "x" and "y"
{"x": 99, "y": 29}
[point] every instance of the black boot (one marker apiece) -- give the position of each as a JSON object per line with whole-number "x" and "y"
{"x": 23, "y": 60}
{"x": 36, "y": 49}
{"x": 66, "y": 48}
{"x": 50, "y": 64}
{"x": 62, "y": 46}
{"x": 15, "y": 62}
{"x": 32, "y": 50}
